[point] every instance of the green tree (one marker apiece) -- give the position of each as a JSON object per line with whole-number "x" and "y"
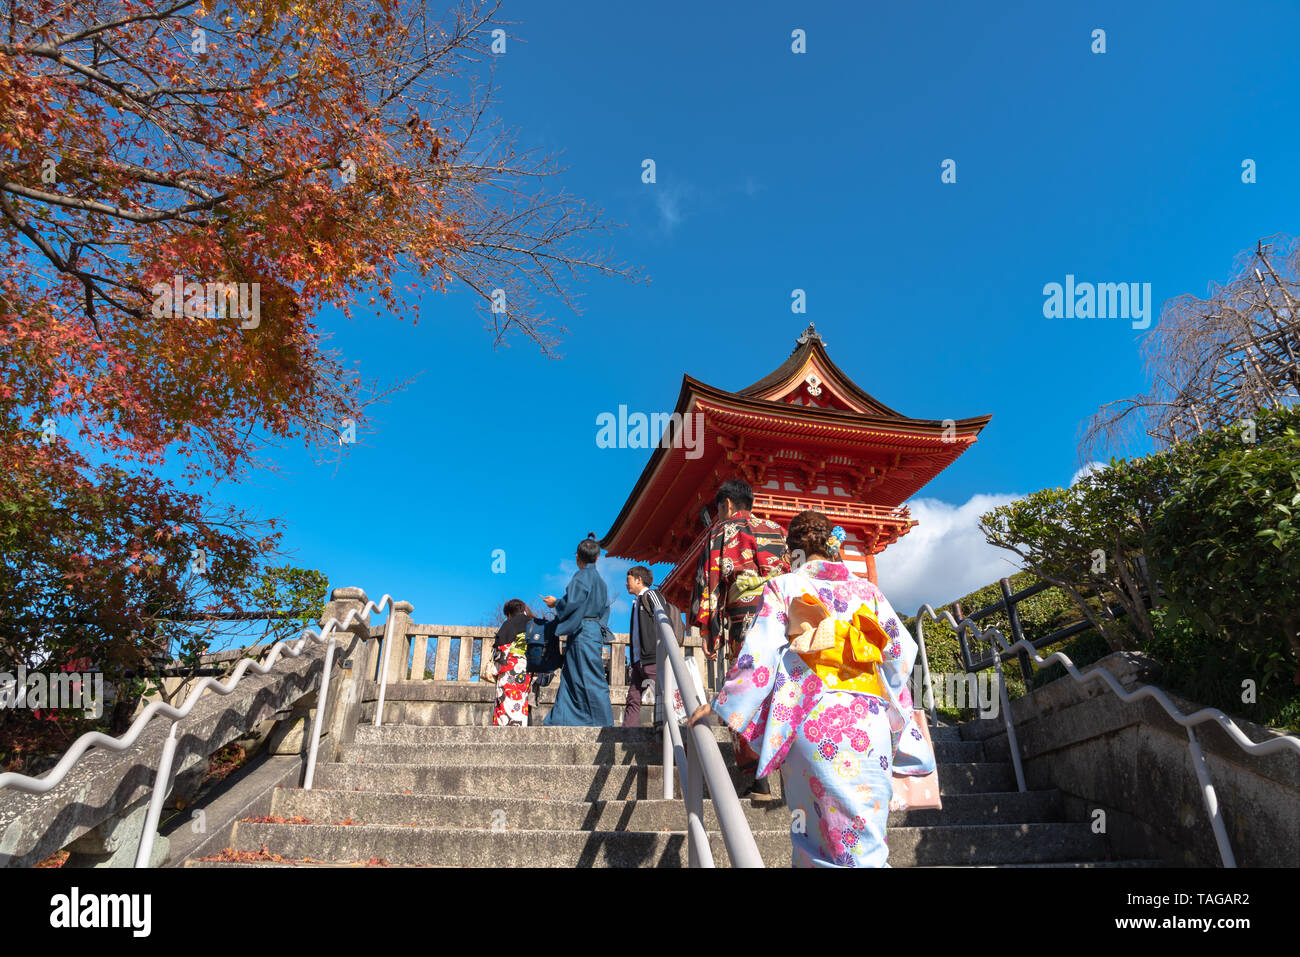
{"x": 1227, "y": 543}
{"x": 1090, "y": 540}
{"x": 1198, "y": 547}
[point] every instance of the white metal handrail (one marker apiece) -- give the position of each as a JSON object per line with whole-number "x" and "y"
{"x": 55, "y": 776}
{"x": 1199, "y": 764}
{"x": 701, "y": 763}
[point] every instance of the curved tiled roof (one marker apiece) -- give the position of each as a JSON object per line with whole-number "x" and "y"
{"x": 808, "y": 347}
{"x": 830, "y": 416}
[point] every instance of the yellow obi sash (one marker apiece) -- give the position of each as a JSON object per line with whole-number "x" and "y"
{"x": 843, "y": 654}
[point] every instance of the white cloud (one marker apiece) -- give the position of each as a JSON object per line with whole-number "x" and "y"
{"x": 944, "y": 557}
{"x": 1088, "y": 469}
{"x": 668, "y": 200}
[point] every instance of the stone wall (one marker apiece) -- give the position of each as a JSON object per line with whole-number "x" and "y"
{"x": 1132, "y": 761}
{"x": 99, "y": 808}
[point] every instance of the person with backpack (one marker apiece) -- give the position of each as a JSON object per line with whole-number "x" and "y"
{"x": 642, "y": 632}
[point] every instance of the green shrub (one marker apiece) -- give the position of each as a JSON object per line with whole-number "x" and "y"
{"x": 1211, "y": 671}
{"x": 1082, "y": 649}
{"x": 1227, "y": 547}
{"x": 1207, "y": 532}
{"x": 1040, "y": 615}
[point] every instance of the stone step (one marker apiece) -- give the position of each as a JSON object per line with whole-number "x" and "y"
{"x": 950, "y": 732}
{"x": 958, "y": 752}
{"x": 473, "y": 691}
{"x": 947, "y": 750}
{"x": 975, "y": 777}
{"x": 507, "y": 752}
{"x": 465, "y": 713}
{"x": 991, "y": 807}
{"x": 436, "y": 847}
{"x": 1122, "y": 863}
{"x": 1071, "y": 864}
{"x": 452, "y": 703}
{"x": 650, "y": 814}
{"x": 578, "y": 782}
{"x": 470, "y": 691}
{"x": 995, "y": 844}
{"x": 557, "y": 782}
{"x": 219, "y": 864}
{"x": 480, "y": 812}
{"x": 908, "y": 846}
{"x": 435, "y": 734}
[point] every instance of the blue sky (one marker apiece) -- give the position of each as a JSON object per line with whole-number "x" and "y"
{"x": 818, "y": 171}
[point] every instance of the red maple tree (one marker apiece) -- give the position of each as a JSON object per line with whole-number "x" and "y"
{"x": 185, "y": 187}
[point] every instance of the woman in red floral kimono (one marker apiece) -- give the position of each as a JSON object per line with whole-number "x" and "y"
{"x": 513, "y": 680}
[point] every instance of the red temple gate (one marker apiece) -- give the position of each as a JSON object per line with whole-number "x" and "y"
{"x": 804, "y": 436}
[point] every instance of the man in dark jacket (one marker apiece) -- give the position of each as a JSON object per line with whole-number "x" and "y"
{"x": 641, "y": 637}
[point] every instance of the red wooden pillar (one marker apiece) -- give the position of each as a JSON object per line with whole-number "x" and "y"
{"x": 871, "y": 569}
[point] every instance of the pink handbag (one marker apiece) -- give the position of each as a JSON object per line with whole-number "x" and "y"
{"x": 917, "y": 792}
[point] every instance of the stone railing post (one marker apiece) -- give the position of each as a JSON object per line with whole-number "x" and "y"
{"x": 419, "y": 656}
{"x": 465, "y": 659}
{"x": 441, "y": 657}
{"x": 398, "y": 651}
{"x": 343, "y": 710}
{"x": 483, "y": 646}
{"x": 618, "y": 661}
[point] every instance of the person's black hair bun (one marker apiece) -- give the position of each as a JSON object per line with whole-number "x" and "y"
{"x": 591, "y": 535}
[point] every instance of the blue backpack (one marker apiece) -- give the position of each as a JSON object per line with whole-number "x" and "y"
{"x": 543, "y": 654}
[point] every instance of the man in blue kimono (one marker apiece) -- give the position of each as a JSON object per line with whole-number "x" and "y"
{"x": 582, "y": 615}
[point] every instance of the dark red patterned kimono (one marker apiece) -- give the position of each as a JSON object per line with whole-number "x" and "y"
{"x": 741, "y": 554}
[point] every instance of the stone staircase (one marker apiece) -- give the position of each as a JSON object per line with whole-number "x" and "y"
{"x": 428, "y": 793}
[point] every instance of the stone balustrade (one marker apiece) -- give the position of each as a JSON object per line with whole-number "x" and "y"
{"x": 450, "y": 653}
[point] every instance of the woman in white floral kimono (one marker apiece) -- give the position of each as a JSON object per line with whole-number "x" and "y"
{"x": 820, "y": 691}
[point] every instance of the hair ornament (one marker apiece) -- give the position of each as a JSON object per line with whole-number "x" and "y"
{"x": 836, "y": 540}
